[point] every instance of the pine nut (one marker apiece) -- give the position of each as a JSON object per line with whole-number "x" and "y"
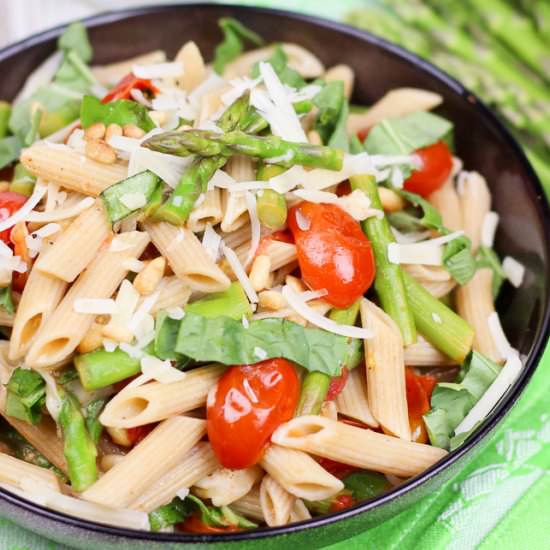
{"x": 98, "y": 150}
{"x": 259, "y": 273}
{"x": 95, "y": 131}
{"x": 132, "y": 131}
{"x": 92, "y": 340}
{"x": 391, "y": 201}
{"x": 149, "y": 277}
{"x": 112, "y": 130}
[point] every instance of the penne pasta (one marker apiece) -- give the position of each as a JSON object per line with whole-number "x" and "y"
{"x": 385, "y": 368}
{"x": 299, "y": 511}
{"x": 71, "y": 169}
{"x": 299, "y": 474}
{"x": 281, "y": 254}
{"x": 15, "y": 471}
{"x": 141, "y": 467}
{"x": 137, "y": 406}
{"x": 250, "y": 505}
{"x": 111, "y": 74}
{"x": 356, "y": 446}
{"x": 193, "y": 64}
{"x": 60, "y": 336}
{"x": 173, "y": 293}
{"x": 208, "y": 212}
{"x": 423, "y": 354}
{"x": 6, "y": 319}
{"x": 235, "y": 211}
{"x": 187, "y": 257}
{"x": 276, "y": 503}
{"x": 447, "y": 201}
{"x": 352, "y": 400}
{"x": 475, "y": 201}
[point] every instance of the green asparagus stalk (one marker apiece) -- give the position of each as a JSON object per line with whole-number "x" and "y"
{"x": 5, "y": 113}
{"x": 79, "y": 449}
{"x": 227, "y": 303}
{"x": 271, "y": 206}
{"x": 271, "y": 148}
{"x": 440, "y": 325}
{"x": 99, "y": 369}
{"x": 389, "y": 282}
{"x": 93, "y": 425}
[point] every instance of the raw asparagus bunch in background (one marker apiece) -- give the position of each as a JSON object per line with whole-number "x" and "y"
{"x": 499, "y": 49}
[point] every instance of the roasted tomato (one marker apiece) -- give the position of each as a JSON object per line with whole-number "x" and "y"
{"x": 194, "y": 524}
{"x": 126, "y": 85}
{"x": 333, "y": 252}
{"x": 247, "y": 405}
{"x": 337, "y": 384}
{"x": 10, "y": 202}
{"x": 436, "y": 165}
{"x": 419, "y": 392}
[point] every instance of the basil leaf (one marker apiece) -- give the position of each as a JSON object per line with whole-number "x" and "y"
{"x": 451, "y": 402}
{"x": 431, "y": 218}
{"x": 227, "y": 341}
{"x": 67, "y": 376}
{"x": 406, "y": 221}
{"x": 458, "y": 259}
{"x": 333, "y": 116}
{"x": 121, "y": 112}
{"x": 365, "y": 485}
{"x": 93, "y": 425}
{"x": 404, "y": 135}
{"x": 487, "y": 257}
{"x": 75, "y": 38}
{"x": 26, "y": 394}
{"x": 6, "y": 300}
{"x": 235, "y": 33}
{"x": 220, "y": 517}
{"x": 166, "y": 336}
{"x": 170, "y": 514}
{"x": 10, "y": 149}
{"x": 279, "y": 62}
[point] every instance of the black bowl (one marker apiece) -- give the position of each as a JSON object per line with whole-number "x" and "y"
{"x": 481, "y": 141}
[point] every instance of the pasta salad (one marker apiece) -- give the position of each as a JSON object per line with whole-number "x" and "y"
{"x": 230, "y": 297}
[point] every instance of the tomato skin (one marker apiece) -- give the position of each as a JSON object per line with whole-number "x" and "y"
{"x": 194, "y": 524}
{"x": 437, "y": 163}
{"x": 337, "y": 469}
{"x": 363, "y": 133}
{"x": 283, "y": 236}
{"x": 419, "y": 392}
{"x": 341, "y": 503}
{"x": 139, "y": 433}
{"x": 333, "y": 252}
{"x": 337, "y": 384}
{"x": 126, "y": 85}
{"x": 247, "y": 406}
{"x": 10, "y": 202}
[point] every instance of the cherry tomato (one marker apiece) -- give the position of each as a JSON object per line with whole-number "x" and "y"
{"x": 126, "y": 85}
{"x": 10, "y": 202}
{"x": 194, "y": 524}
{"x": 247, "y": 406}
{"x": 343, "y": 188}
{"x": 337, "y": 469}
{"x": 333, "y": 252}
{"x": 18, "y": 236}
{"x": 419, "y": 392}
{"x": 362, "y": 134}
{"x": 337, "y": 384}
{"x": 139, "y": 433}
{"x": 341, "y": 502}
{"x": 437, "y": 163}
{"x": 283, "y": 236}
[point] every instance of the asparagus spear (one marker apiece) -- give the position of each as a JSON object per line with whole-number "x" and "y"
{"x": 285, "y": 153}
{"x": 388, "y": 283}
{"x": 271, "y": 206}
{"x": 79, "y": 449}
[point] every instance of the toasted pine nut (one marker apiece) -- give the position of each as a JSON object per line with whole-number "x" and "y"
{"x": 92, "y": 340}
{"x": 159, "y": 117}
{"x": 314, "y": 138}
{"x": 95, "y": 131}
{"x": 391, "y": 201}
{"x": 112, "y": 130}
{"x": 295, "y": 283}
{"x": 98, "y": 150}
{"x": 259, "y": 273}
{"x": 4, "y": 186}
{"x": 119, "y": 436}
{"x": 149, "y": 277}
{"x": 271, "y": 299}
{"x": 117, "y": 333}
{"x": 108, "y": 461}
{"x": 343, "y": 73}
{"x": 132, "y": 131}
{"x": 329, "y": 410}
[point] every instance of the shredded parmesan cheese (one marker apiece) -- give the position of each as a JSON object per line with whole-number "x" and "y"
{"x": 501, "y": 342}
{"x": 255, "y": 228}
{"x": 240, "y": 273}
{"x": 161, "y": 371}
{"x": 60, "y": 213}
{"x": 489, "y": 228}
{"x": 133, "y": 201}
{"x": 514, "y": 271}
{"x": 159, "y": 70}
{"x": 22, "y": 214}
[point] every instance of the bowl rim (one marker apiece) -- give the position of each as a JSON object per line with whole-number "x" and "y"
{"x": 490, "y": 422}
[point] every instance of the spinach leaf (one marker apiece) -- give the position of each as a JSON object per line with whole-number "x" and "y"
{"x": 227, "y": 341}
{"x": 170, "y": 514}
{"x": 93, "y": 425}
{"x": 365, "y": 484}
{"x": 235, "y": 33}
{"x": 333, "y": 115}
{"x": 121, "y": 112}
{"x": 220, "y": 517}
{"x": 26, "y": 395}
{"x": 75, "y": 38}
{"x": 10, "y": 149}
{"x": 6, "y": 300}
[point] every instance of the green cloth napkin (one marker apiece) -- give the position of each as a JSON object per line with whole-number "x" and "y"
{"x": 499, "y": 501}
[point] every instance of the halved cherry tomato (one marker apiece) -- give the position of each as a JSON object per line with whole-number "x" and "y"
{"x": 341, "y": 502}
{"x": 283, "y": 236}
{"x": 194, "y": 524}
{"x": 337, "y": 384}
{"x": 18, "y": 237}
{"x": 139, "y": 433}
{"x": 333, "y": 252}
{"x": 437, "y": 163}
{"x": 126, "y": 85}
{"x": 419, "y": 392}
{"x": 337, "y": 469}
{"x": 10, "y": 202}
{"x": 247, "y": 406}
{"x": 343, "y": 188}
{"x": 362, "y": 134}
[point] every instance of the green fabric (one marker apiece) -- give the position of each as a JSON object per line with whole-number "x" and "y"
{"x": 500, "y": 501}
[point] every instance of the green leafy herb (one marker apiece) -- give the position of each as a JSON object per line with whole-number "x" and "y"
{"x": 121, "y": 112}
{"x": 75, "y": 38}
{"x": 23, "y": 181}
{"x": 166, "y": 336}
{"x": 234, "y": 35}
{"x": 458, "y": 259}
{"x": 220, "y": 517}
{"x": 94, "y": 426}
{"x": 279, "y": 62}
{"x": 487, "y": 257}
{"x": 355, "y": 146}
{"x": 431, "y": 218}
{"x": 10, "y": 149}
{"x": 170, "y": 514}
{"x": 26, "y": 394}
{"x": 227, "y": 341}
{"x": 451, "y": 402}
{"x": 68, "y": 375}
{"x": 333, "y": 116}
{"x": 365, "y": 485}
{"x": 5, "y": 112}
{"x": 145, "y": 183}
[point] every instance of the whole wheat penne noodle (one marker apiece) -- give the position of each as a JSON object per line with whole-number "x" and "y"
{"x": 398, "y": 102}
{"x": 235, "y": 211}
{"x": 423, "y": 354}
{"x": 276, "y": 503}
{"x": 329, "y": 410}
{"x": 40, "y": 297}
{"x": 209, "y": 211}
{"x": 63, "y": 331}
{"x": 281, "y": 254}
{"x": 146, "y": 463}
{"x": 210, "y": 104}
{"x": 343, "y": 73}
{"x": 299, "y": 474}
{"x": 77, "y": 246}
{"x": 239, "y": 236}
{"x": 475, "y": 201}
{"x": 446, "y": 200}
{"x": 6, "y": 319}
{"x": 439, "y": 289}
{"x": 70, "y": 169}
{"x": 428, "y": 273}
{"x": 385, "y": 368}
{"x": 173, "y": 292}
{"x": 352, "y": 400}
{"x": 137, "y": 406}
{"x": 196, "y": 464}
{"x": 249, "y": 505}
{"x": 194, "y": 69}
{"x": 356, "y": 446}
{"x": 111, "y": 74}
{"x": 225, "y": 486}
{"x": 474, "y": 302}
{"x": 299, "y": 511}
{"x": 14, "y": 471}
{"x": 187, "y": 257}
{"x": 282, "y": 273}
